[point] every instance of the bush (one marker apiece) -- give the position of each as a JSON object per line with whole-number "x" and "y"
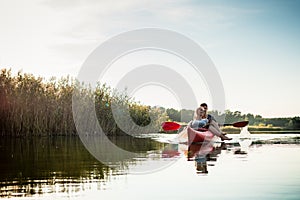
{"x": 32, "y": 106}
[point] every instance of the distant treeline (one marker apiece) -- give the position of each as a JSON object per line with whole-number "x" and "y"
{"x": 32, "y": 106}
{"x": 231, "y": 117}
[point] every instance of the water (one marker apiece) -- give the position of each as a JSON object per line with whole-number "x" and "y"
{"x": 61, "y": 168}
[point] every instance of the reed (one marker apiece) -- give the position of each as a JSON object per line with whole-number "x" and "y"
{"x": 31, "y": 106}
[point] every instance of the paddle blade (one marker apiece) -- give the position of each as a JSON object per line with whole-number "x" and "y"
{"x": 240, "y": 124}
{"x": 170, "y": 126}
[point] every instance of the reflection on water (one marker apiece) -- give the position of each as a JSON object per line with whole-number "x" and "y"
{"x": 204, "y": 154}
{"x": 62, "y": 167}
{"x": 43, "y": 165}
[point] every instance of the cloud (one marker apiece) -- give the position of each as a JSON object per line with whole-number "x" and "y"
{"x": 95, "y": 19}
{"x": 65, "y": 30}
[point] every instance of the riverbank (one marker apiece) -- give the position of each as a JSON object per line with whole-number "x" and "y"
{"x": 33, "y": 106}
{"x": 260, "y": 130}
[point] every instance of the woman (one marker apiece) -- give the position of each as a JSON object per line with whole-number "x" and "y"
{"x": 203, "y": 120}
{"x": 200, "y": 119}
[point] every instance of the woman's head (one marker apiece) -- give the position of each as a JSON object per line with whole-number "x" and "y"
{"x": 200, "y": 112}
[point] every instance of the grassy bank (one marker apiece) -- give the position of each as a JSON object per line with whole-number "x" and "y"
{"x": 31, "y": 105}
{"x": 259, "y": 129}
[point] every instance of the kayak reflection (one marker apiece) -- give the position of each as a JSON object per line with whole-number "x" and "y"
{"x": 201, "y": 153}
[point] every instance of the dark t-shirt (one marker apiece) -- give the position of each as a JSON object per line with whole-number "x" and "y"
{"x": 210, "y": 117}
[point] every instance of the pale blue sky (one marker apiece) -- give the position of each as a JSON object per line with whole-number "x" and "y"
{"x": 255, "y": 45}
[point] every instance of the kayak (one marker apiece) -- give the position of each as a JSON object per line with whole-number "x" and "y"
{"x": 195, "y": 136}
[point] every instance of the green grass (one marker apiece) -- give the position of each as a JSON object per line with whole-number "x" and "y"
{"x": 32, "y": 106}
{"x": 260, "y": 129}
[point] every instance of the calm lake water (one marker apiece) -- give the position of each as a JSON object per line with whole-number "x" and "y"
{"x": 62, "y": 168}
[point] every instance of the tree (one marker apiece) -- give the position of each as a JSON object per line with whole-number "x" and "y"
{"x": 250, "y": 117}
{"x": 186, "y": 115}
{"x": 174, "y": 114}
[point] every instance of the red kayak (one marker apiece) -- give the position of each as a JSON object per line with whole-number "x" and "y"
{"x": 199, "y": 136}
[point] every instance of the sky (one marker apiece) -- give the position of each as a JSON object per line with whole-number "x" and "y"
{"x": 254, "y": 45}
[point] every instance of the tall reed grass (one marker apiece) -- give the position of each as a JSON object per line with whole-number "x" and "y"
{"x": 31, "y": 106}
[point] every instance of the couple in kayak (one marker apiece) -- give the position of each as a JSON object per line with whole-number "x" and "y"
{"x": 202, "y": 120}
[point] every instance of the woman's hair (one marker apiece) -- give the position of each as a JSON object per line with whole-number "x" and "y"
{"x": 196, "y": 116}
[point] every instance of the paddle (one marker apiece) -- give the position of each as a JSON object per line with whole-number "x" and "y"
{"x": 238, "y": 124}
{"x": 173, "y": 126}
{"x": 170, "y": 126}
